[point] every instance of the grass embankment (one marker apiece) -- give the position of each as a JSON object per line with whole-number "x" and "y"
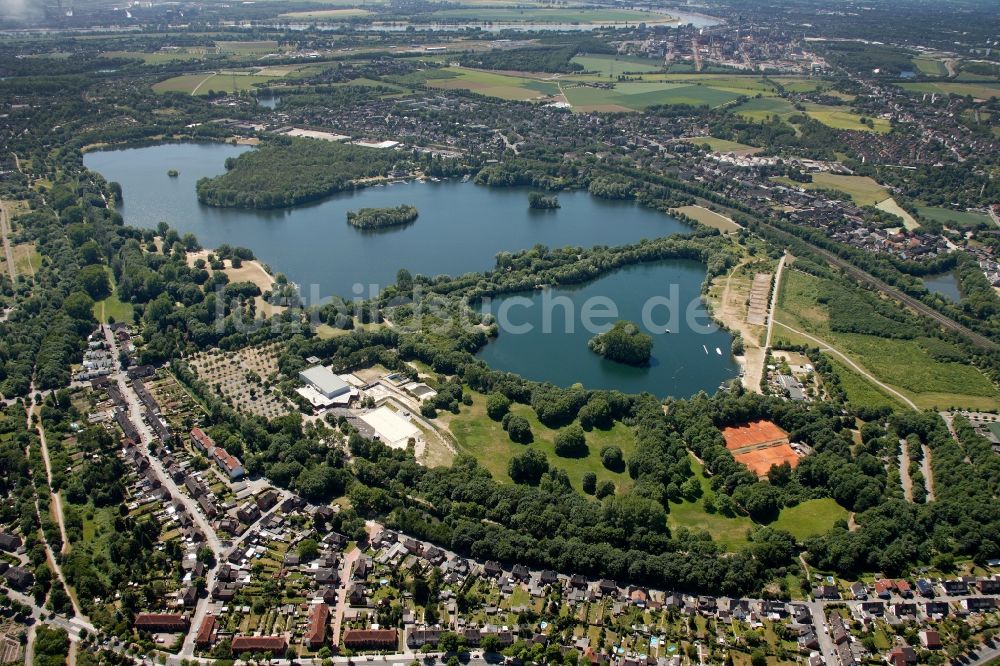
{"x": 905, "y": 364}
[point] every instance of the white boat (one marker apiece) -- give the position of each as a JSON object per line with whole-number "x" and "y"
{"x": 705, "y": 348}
{"x": 718, "y": 351}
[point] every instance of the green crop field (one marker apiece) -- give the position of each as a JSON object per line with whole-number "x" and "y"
{"x": 764, "y": 108}
{"x": 930, "y": 66}
{"x": 837, "y": 118}
{"x": 638, "y": 95}
{"x": 983, "y": 90}
{"x": 612, "y": 65}
{"x": 905, "y": 364}
{"x": 810, "y": 518}
{"x": 503, "y": 86}
{"x": 863, "y": 190}
{"x": 485, "y": 439}
{"x": 954, "y": 218}
{"x": 339, "y": 14}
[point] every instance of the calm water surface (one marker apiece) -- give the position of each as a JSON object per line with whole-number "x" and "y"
{"x": 945, "y": 284}
{"x": 461, "y": 228}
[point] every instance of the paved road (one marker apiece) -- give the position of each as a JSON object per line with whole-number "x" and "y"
{"x": 826, "y": 648}
{"x": 827, "y": 347}
{"x": 904, "y": 470}
{"x": 135, "y": 411}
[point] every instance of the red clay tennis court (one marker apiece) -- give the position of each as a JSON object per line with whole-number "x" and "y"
{"x": 756, "y": 433}
{"x": 759, "y": 461}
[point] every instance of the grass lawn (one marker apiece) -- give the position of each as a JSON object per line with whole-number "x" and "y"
{"x": 906, "y": 365}
{"x": 27, "y": 259}
{"x": 810, "y": 517}
{"x": 485, "y": 439}
{"x": 111, "y": 307}
{"x": 730, "y": 533}
{"x": 953, "y": 218}
{"x": 202, "y": 83}
{"x": 159, "y": 57}
{"x": 709, "y": 218}
{"x": 723, "y": 145}
{"x": 859, "y": 390}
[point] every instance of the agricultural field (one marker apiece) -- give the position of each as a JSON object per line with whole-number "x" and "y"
{"x": 256, "y": 47}
{"x": 552, "y": 15}
{"x": 930, "y": 66}
{"x": 978, "y": 90}
{"x": 953, "y": 218}
{"x": 229, "y": 81}
{"x": 840, "y": 119}
{"x": 163, "y": 56}
{"x": 890, "y": 206}
{"x": 864, "y": 191}
{"x": 709, "y": 218}
{"x": 613, "y": 65}
{"x": 764, "y": 108}
{"x": 486, "y": 440}
{"x": 638, "y": 95}
{"x": 339, "y": 14}
{"x": 503, "y": 86}
{"x": 904, "y": 364}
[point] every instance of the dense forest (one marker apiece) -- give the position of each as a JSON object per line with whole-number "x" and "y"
{"x": 378, "y": 218}
{"x": 285, "y": 172}
{"x": 625, "y": 343}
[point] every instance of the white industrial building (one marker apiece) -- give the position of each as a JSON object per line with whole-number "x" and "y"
{"x": 323, "y": 388}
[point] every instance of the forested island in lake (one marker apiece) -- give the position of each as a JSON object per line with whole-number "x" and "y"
{"x": 623, "y": 343}
{"x": 379, "y": 218}
{"x": 539, "y": 201}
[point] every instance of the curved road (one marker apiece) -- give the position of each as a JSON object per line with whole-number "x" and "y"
{"x": 825, "y": 346}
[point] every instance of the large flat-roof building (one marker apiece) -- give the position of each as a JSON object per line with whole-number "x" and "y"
{"x": 324, "y": 381}
{"x": 323, "y": 388}
{"x": 392, "y": 429}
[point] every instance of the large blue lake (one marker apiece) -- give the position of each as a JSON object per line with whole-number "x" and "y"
{"x": 461, "y": 228}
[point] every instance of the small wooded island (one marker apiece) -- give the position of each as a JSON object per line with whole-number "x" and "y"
{"x": 539, "y": 201}
{"x": 378, "y": 218}
{"x": 623, "y": 343}
{"x": 172, "y": 173}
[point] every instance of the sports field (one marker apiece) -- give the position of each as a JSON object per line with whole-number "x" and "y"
{"x": 504, "y": 86}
